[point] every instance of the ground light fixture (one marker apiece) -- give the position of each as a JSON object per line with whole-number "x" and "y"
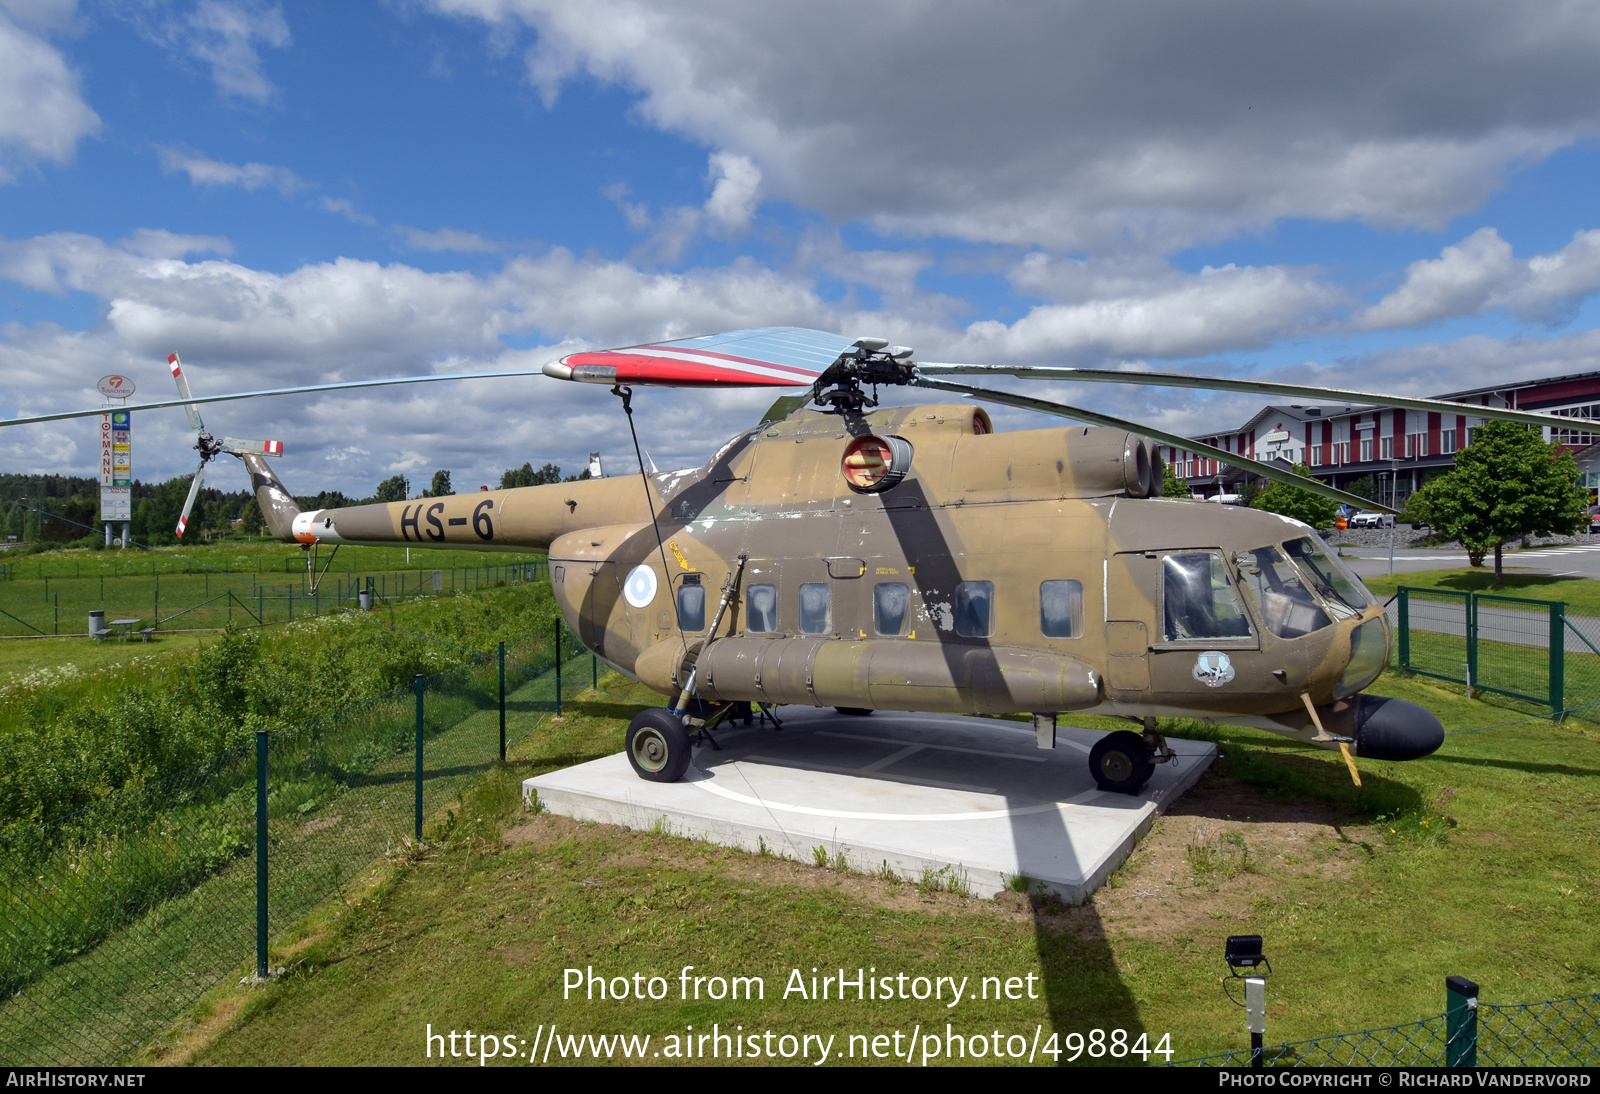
{"x": 1246, "y": 962}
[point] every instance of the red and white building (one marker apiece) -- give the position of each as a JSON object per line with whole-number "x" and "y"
{"x": 1398, "y": 449}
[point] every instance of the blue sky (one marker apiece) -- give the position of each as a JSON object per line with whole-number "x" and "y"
{"x": 288, "y": 192}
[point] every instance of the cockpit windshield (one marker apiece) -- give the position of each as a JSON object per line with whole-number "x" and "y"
{"x": 1288, "y": 608}
{"x": 1300, "y": 587}
{"x": 1338, "y": 586}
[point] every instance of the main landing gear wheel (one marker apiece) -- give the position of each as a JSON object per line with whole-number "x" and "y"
{"x": 1120, "y": 763}
{"x": 854, "y": 712}
{"x": 658, "y": 746}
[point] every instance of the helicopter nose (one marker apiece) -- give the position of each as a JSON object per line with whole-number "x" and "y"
{"x": 1393, "y": 729}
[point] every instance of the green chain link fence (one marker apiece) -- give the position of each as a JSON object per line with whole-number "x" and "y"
{"x": 114, "y": 919}
{"x": 166, "y": 598}
{"x": 1521, "y": 653}
{"x": 1556, "y": 1033}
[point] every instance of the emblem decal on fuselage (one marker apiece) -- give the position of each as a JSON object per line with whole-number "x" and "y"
{"x": 1213, "y": 669}
{"x": 640, "y": 588}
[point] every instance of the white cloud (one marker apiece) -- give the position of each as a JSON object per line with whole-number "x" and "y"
{"x": 736, "y": 185}
{"x": 1226, "y": 308}
{"x": 1480, "y": 273}
{"x": 239, "y": 328}
{"x": 445, "y": 239}
{"x": 204, "y": 171}
{"x": 343, "y": 208}
{"x": 43, "y": 115}
{"x": 160, "y": 243}
{"x": 225, "y": 35}
{"x": 1081, "y": 124}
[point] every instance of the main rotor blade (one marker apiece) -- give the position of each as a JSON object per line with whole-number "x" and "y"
{"x": 265, "y": 392}
{"x": 183, "y": 389}
{"x": 1233, "y": 459}
{"x": 1254, "y": 387}
{"x": 194, "y": 492}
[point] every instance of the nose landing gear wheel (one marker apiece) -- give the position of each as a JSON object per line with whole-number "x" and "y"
{"x": 1120, "y": 764}
{"x": 658, "y": 746}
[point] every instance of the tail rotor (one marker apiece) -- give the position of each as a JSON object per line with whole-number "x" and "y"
{"x": 207, "y": 445}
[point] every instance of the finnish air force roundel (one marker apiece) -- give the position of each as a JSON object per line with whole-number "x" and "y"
{"x": 640, "y": 589}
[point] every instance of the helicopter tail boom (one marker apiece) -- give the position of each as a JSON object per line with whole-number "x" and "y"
{"x": 278, "y": 508}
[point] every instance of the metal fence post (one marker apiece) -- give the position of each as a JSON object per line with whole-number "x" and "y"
{"x": 502, "y": 702}
{"x": 1460, "y": 1022}
{"x": 418, "y": 685}
{"x": 594, "y": 671}
{"x": 1403, "y": 626}
{"x": 558, "y": 667}
{"x": 1472, "y": 642}
{"x": 261, "y": 854}
{"x": 1558, "y": 660}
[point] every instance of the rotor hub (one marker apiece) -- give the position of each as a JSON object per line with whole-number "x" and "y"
{"x": 871, "y": 362}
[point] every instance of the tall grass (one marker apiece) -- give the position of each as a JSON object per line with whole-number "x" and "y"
{"x": 159, "y": 773}
{"x": 69, "y": 739}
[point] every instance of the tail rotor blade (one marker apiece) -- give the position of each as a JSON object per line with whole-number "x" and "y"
{"x": 183, "y": 390}
{"x": 260, "y": 448}
{"x": 194, "y": 492}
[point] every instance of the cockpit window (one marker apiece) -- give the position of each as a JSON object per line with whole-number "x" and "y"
{"x": 1337, "y": 585}
{"x": 1288, "y": 608}
{"x": 1198, "y": 600}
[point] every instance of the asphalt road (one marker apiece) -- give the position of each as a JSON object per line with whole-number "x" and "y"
{"x": 1577, "y": 560}
{"x": 1496, "y": 624}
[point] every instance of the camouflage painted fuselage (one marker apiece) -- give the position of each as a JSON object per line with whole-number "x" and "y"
{"x": 1017, "y": 510}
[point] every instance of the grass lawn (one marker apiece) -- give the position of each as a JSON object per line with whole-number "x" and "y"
{"x": 1482, "y": 860}
{"x": 265, "y": 556}
{"x": 20, "y": 656}
{"x": 1581, "y": 594}
{"x": 53, "y": 593}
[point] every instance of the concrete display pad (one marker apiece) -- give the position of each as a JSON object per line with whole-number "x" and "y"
{"x": 972, "y": 797}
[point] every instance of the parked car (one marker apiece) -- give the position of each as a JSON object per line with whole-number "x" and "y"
{"x": 1367, "y": 518}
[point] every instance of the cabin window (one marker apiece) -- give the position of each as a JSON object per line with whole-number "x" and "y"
{"x": 816, "y": 608}
{"x": 691, "y": 605}
{"x": 761, "y": 609}
{"x": 975, "y": 609}
{"x": 1198, "y": 601}
{"x": 1061, "y": 609}
{"x": 889, "y": 607}
{"x": 1288, "y": 608}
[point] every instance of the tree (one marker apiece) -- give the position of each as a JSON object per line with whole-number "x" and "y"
{"x": 396, "y": 488}
{"x": 1172, "y": 486}
{"x": 1363, "y": 487}
{"x": 1301, "y": 505}
{"x": 527, "y": 476}
{"x": 251, "y": 512}
{"x": 1507, "y": 483}
{"x": 440, "y": 487}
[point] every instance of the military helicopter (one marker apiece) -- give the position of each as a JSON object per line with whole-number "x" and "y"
{"x": 846, "y": 554}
